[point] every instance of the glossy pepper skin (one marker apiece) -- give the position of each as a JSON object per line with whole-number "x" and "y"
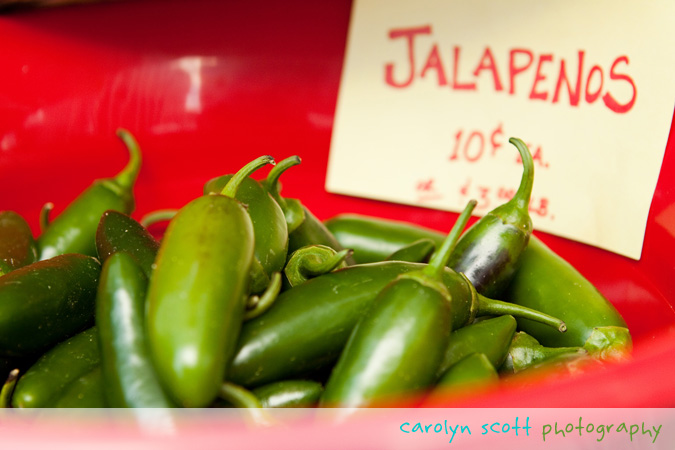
{"x": 471, "y": 371}
{"x": 374, "y": 239}
{"x": 129, "y": 377}
{"x": 525, "y": 352}
{"x": 197, "y": 293}
{"x": 119, "y": 232}
{"x": 17, "y": 245}
{"x": 399, "y": 344}
{"x": 491, "y": 337}
{"x": 44, "y": 382}
{"x": 85, "y": 392}
{"x": 304, "y": 228}
{"x": 547, "y": 282}
{"x": 269, "y": 224}
{"x": 309, "y": 324}
{"x": 74, "y": 230}
{"x": 417, "y": 251}
{"x": 289, "y": 394}
{"x": 489, "y": 251}
{"x": 46, "y": 302}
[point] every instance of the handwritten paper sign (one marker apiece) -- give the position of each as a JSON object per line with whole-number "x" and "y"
{"x": 432, "y": 90}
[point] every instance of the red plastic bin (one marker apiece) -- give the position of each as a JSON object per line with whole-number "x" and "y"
{"x": 205, "y": 86}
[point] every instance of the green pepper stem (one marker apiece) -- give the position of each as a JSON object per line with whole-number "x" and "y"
{"x": 8, "y": 389}
{"x": 266, "y": 300}
{"x": 44, "y": 215}
{"x": 271, "y": 183}
{"x": 232, "y": 186}
{"x": 127, "y": 176}
{"x": 314, "y": 260}
{"x": 491, "y": 307}
{"x": 522, "y": 197}
{"x": 160, "y": 215}
{"x": 440, "y": 258}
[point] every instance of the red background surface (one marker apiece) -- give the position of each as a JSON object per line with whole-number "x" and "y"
{"x": 270, "y": 72}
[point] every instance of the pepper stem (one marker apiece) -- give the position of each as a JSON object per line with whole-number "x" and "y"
{"x": 271, "y": 183}
{"x": 44, "y": 215}
{"x": 232, "y": 186}
{"x": 491, "y": 307}
{"x": 262, "y": 303}
{"x": 161, "y": 215}
{"x": 440, "y": 258}
{"x": 127, "y": 176}
{"x": 8, "y": 389}
{"x": 522, "y": 197}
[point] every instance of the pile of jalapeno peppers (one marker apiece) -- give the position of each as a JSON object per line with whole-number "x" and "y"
{"x": 249, "y": 300}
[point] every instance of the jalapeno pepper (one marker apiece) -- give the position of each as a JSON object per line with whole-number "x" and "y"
{"x": 289, "y": 394}
{"x": 74, "y": 230}
{"x": 548, "y": 283}
{"x": 129, "y": 377}
{"x": 197, "y": 293}
{"x": 269, "y": 224}
{"x": 118, "y": 232}
{"x": 45, "y": 380}
{"x": 489, "y": 251}
{"x": 470, "y": 372}
{"x": 304, "y": 228}
{"x": 417, "y": 251}
{"x": 17, "y": 245}
{"x": 399, "y": 344}
{"x": 525, "y": 351}
{"x": 46, "y": 302}
{"x": 491, "y": 337}
{"x": 309, "y": 324}
{"x": 374, "y": 239}
{"x": 87, "y": 391}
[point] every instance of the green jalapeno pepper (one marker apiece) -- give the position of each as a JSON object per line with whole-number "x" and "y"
{"x": 309, "y": 324}
{"x": 118, "y": 232}
{"x": 525, "y": 351}
{"x": 304, "y": 228}
{"x": 130, "y": 379}
{"x": 269, "y": 225}
{"x": 470, "y": 372}
{"x": 374, "y": 239}
{"x": 197, "y": 293}
{"x": 45, "y": 380}
{"x": 289, "y": 394}
{"x": 312, "y": 261}
{"x": 399, "y": 344}
{"x": 17, "y": 245}
{"x": 85, "y": 392}
{"x": 46, "y": 302}
{"x": 491, "y": 337}
{"x": 548, "y": 283}
{"x": 74, "y": 230}
{"x": 489, "y": 251}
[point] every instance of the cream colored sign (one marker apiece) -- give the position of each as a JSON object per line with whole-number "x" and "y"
{"x": 432, "y": 90}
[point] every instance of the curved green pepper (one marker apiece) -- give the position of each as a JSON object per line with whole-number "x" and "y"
{"x": 17, "y": 245}
{"x": 56, "y": 369}
{"x": 130, "y": 379}
{"x": 289, "y": 394}
{"x": 309, "y": 324}
{"x": 46, "y": 302}
{"x": 197, "y": 293}
{"x": 491, "y": 337}
{"x": 525, "y": 352}
{"x": 269, "y": 224}
{"x": 548, "y": 283}
{"x": 304, "y": 228}
{"x": 489, "y": 251}
{"x": 374, "y": 239}
{"x": 118, "y": 232}
{"x": 470, "y": 372}
{"x": 399, "y": 344}
{"x": 74, "y": 230}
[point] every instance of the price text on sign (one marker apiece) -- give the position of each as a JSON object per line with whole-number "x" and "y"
{"x": 431, "y": 93}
